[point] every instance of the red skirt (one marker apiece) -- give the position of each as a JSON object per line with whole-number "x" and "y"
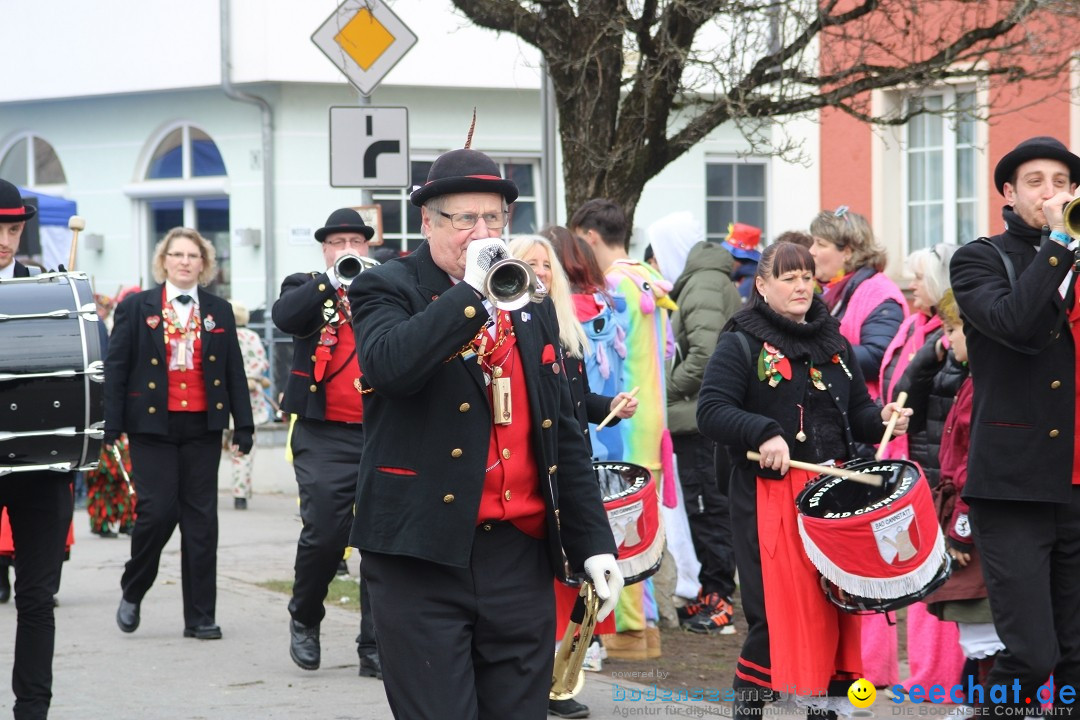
{"x": 811, "y": 641}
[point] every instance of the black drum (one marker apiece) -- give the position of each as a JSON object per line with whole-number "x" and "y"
{"x": 52, "y": 400}
{"x": 881, "y": 546}
{"x": 633, "y": 510}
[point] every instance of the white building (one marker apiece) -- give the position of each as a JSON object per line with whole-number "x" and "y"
{"x": 120, "y": 106}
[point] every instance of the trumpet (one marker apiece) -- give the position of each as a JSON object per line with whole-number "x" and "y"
{"x": 568, "y": 675}
{"x": 1071, "y": 215}
{"x": 510, "y": 283}
{"x": 348, "y": 267}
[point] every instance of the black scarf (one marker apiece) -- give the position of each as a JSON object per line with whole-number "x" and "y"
{"x": 1018, "y": 228}
{"x": 818, "y": 338}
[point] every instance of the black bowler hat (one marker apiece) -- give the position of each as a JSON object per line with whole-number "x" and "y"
{"x": 345, "y": 220}
{"x": 464, "y": 171}
{"x": 1036, "y": 148}
{"x": 12, "y": 208}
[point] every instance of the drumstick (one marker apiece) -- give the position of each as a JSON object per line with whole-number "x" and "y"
{"x": 901, "y": 398}
{"x": 617, "y": 408}
{"x": 75, "y": 224}
{"x": 123, "y": 470}
{"x": 865, "y": 478}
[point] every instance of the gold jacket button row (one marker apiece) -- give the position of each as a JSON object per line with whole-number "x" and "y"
{"x": 212, "y": 358}
{"x": 470, "y": 312}
{"x": 183, "y": 403}
{"x": 1054, "y": 433}
{"x": 506, "y": 453}
{"x": 322, "y": 287}
{"x": 1055, "y": 385}
{"x": 220, "y": 406}
{"x": 153, "y": 361}
{"x": 314, "y": 388}
{"x": 183, "y": 386}
{"x": 448, "y": 498}
{"x": 507, "y": 495}
{"x": 546, "y": 424}
{"x": 456, "y": 452}
{"x": 151, "y": 410}
{"x": 152, "y": 385}
{"x": 1053, "y": 261}
{"x": 217, "y": 382}
{"x": 464, "y": 407}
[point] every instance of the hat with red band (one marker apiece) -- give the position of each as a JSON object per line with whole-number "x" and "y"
{"x": 12, "y": 207}
{"x": 464, "y": 171}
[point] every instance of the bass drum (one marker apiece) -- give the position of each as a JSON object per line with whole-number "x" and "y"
{"x": 633, "y": 511}
{"x": 52, "y": 413}
{"x": 878, "y": 549}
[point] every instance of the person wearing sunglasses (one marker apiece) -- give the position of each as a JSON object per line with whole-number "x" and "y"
{"x": 323, "y": 391}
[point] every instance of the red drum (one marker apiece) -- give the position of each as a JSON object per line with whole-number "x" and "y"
{"x": 52, "y": 416}
{"x": 881, "y": 546}
{"x": 633, "y": 511}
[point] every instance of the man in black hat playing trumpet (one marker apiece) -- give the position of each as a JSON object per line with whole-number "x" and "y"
{"x": 476, "y": 486}
{"x": 39, "y": 506}
{"x": 323, "y": 391}
{"x": 1017, "y": 293}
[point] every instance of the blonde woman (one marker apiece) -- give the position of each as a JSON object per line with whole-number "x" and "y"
{"x": 173, "y": 376}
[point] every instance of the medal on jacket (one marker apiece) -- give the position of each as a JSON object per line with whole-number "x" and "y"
{"x": 501, "y": 407}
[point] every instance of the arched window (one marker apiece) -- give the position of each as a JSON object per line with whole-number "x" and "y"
{"x": 30, "y": 161}
{"x": 184, "y": 183}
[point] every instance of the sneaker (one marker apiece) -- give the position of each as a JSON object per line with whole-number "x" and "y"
{"x": 713, "y": 614}
{"x": 594, "y": 661}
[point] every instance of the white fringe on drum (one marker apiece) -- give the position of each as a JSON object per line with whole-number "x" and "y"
{"x": 876, "y": 588}
{"x": 647, "y": 559}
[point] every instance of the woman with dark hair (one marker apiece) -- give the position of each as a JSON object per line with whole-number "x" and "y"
{"x": 784, "y": 382}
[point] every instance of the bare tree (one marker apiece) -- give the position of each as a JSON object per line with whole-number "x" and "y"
{"x": 639, "y": 82}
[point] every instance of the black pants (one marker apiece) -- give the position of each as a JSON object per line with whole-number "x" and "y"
{"x": 39, "y": 507}
{"x": 470, "y": 643}
{"x": 1031, "y": 563}
{"x": 176, "y": 478}
{"x": 707, "y": 508}
{"x": 326, "y": 458}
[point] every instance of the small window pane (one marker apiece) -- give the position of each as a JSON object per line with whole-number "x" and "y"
{"x": 751, "y": 182}
{"x": 965, "y": 222}
{"x": 916, "y": 177}
{"x": 168, "y": 158}
{"x": 523, "y": 217}
{"x": 751, "y": 212}
{"x": 719, "y": 215}
{"x": 935, "y": 176}
{"x": 14, "y": 168}
{"x": 420, "y": 170}
{"x": 965, "y": 173}
{"x": 391, "y": 217}
{"x": 47, "y": 168}
{"x": 414, "y": 219}
{"x": 522, "y": 175}
{"x": 917, "y": 226}
{"x": 718, "y": 180}
{"x": 934, "y": 128}
{"x": 164, "y": 216}
{"x": 205, "y": 157}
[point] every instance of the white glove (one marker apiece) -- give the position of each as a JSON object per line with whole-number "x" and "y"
{"x": 607, "y": 580}
{"x": 480, "y": 255}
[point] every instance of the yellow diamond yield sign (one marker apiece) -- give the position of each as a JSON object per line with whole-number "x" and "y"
{"x": 365, "y": 40}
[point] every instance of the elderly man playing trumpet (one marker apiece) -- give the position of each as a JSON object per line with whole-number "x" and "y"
{"x": 476, "y": 487}
{"x": 323, "y": 391}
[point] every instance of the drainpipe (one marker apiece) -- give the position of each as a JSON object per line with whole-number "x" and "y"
{"x": 267, "y": 114}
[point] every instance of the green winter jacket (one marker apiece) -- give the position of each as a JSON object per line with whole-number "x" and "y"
{"x": 706, "y": 297}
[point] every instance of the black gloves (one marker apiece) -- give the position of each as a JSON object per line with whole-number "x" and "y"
{"x": 244, "y": 438}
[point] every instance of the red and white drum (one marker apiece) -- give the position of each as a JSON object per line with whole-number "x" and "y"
{"x": 52, "y": 416}
{"x": 881, "y": 546}
{"x": 633, "y": 510}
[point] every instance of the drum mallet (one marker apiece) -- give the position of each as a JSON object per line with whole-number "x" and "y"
{"x": 123, "y": 470}
{"x": 901, "y": 398}
{"x": 615, "y": 410}
{"x": 864, "y": 478}
{"x": 75, "y": 224}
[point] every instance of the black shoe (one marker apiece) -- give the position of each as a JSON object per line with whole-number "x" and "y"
{"x": 371, "y": 666}
{"x": 343, "y": 568}
{"x": 304, "y": 646}
{"x": 569, "y": 708}
{"x": 203, "y": 632}
{"x": 127, "y": 616}
{"x": 239, "y": 503}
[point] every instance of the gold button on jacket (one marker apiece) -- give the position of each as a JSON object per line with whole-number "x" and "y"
{"x": 456, "y": 452}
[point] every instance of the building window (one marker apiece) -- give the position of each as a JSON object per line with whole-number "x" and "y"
{"x": 401, "y": 219}
{"x": 31, "y": 161}
{"x": 939, "y": 162}
{"x": 183, "y": 162}
{"x": 734, "y": 192}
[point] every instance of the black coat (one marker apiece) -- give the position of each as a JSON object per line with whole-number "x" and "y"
{"x": 428, "y": 421}
{"x": 137, "y": 377}
{"x": 299, "y": 312}
{"x": 1022, "y": 421}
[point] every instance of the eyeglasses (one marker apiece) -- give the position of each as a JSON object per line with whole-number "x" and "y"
{"x": 191, "y": 257}
{"x": 468, "y": 220}
{"x": 341, "y": 242}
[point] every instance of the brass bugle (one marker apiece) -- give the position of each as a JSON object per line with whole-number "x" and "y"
{"x": 1071, "y": 215}
{"x": 348, "y": 267}
{"x": 568, "y": 674}
{"x": 510, "y": 284}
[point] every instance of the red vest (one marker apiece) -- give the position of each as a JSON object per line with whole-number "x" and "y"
{"x": 187, "y": 391}
{"x": 343, "y": 403}
{"x": 511, "y": 486}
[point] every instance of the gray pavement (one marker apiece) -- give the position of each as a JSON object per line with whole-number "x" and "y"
{"x": 156, "y": 674}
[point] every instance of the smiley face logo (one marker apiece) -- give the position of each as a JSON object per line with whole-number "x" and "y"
{"x": 862, "y": 693}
